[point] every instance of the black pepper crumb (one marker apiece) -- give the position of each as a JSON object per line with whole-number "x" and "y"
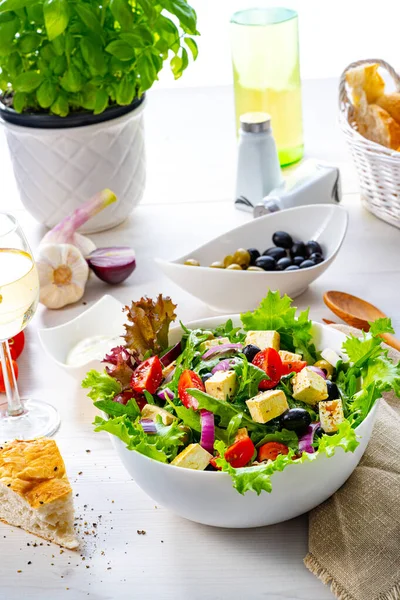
{"x": 29, "y": 562}
{"x": 88, "y": 451}
{"x": 55, "y": 468}
{"x": 141, "y": 532}
{"x": 80, "y": 473}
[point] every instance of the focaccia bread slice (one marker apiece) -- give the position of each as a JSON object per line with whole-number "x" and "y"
{"x": 35, "y": 493}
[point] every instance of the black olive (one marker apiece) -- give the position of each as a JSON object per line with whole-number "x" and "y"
{"x": 276, "y": 253}
{"x": 282, "y": 239}
{"x": 266, "y": 262}
{"x": 206, "y": 377}
{"x": 250, "y": 351}
{"x": 298, "y": 260}
{"x": 254, "y": 254}
{"x": 292, "y": 268}
{"x": 313, "y": 246}
{"x": 283, "y": 263}
{"x": 306, "y": 264}
{"x": 317, "y": 257}
{"x": 296, "y": 419}
{"x": 319, "y": 432}
{"x": 298, "y": 249}
{"x": 210, "y": 467}
{"x": 332, "y": 389}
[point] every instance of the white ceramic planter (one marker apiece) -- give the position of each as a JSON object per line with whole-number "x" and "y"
{"x": 58, "y": 169}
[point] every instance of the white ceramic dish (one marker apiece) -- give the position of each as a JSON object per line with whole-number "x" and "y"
{"x": 237, "y": 291}
{"x": 209, "y": 498}
{"x": 105, "y": 317}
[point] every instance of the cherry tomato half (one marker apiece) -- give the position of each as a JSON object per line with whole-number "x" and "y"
{"x": 17, "y": 344}
{"x": 269, "y": 361}
{"x": 124, "y": 397}
{"x": 147, "y": 376}
{"x": 271, "y": 450}
{"x": 240, "y": 453}
{"x": 2, "y": 386}
{"x": 189, "y": 379}
{"x": 293, "y": 366}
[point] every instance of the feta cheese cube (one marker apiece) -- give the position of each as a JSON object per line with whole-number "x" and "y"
{"x": 267, "y": 405}
{"x": 215, "y": 342}
{"x": 309, "y": 387}
{"x": 222, "y": 385}
{"x": 193, "y": 457}
{"x": 289, "y": 356}
{"x": 151, "y": 411}
{"x": 264, "y": 339}
{"x": 331, "y": 415}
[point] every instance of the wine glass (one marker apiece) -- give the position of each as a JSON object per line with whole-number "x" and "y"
{"x": 19, "y": 296}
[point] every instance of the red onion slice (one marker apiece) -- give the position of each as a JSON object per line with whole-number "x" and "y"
{"x": 148, "y": 426}
{"x": 171, "y": 355}
{"x": 306, "y": 440}
{"x": 318, "y": 371}
{"x": 221, "y": 349}
{"x": 223, "y": 365}
{"x": 207, "y": 430}
{"x": 165, "y": 392}
{"x": 112, "y": 265}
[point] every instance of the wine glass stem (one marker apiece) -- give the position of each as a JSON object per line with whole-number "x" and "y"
{"x": 15, "y": 407}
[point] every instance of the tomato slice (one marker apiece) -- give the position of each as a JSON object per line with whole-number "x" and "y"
{"x": 147, "y": 376}
{"x": 189, "y": 379}
{"x": 240, "y": 453}
{"x": 269, "y": 361}
{"x": 293, "y": 366}
{"x": 17, "y": 344}
{"x": 271, "y": 450}
{"x": 2, "y": 385}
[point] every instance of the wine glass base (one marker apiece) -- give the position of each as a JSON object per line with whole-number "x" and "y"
{"x": 38, "y": 420}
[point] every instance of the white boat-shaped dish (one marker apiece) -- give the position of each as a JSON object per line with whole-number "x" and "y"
{"x": 236, "y": 291}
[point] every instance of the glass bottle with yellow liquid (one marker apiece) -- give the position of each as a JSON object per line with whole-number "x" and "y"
{"x": 266, "y": 70}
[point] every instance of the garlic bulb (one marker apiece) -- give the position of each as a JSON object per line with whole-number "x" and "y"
{"x": 63, "y": 273}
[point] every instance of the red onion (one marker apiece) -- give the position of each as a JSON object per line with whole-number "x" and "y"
{"x": 207, "y": 430}
{"x": 306, "y": 440}
{"x": 223, "y": 365}
{"x": 221, "y": 349}
{"x": 148, "y": 426}
{"x": 165, "y": 392}
{"x": 112, "y": 265}
{"x": 171, "y": 355}
{"x": 318, "y": 371}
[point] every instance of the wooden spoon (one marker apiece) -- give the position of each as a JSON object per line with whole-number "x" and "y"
{"x": 357, "y": 313}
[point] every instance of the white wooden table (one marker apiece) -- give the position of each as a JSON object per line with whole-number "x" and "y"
{"x": 191, "y": 156}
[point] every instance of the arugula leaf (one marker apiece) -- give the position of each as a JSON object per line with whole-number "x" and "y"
{"x": 249, "y": 377}
{"x": 103, "y": 387}
{"x": 162, "y": 446}
{"x": 235, "y": 334}
{"x": 289, "y": 438}
{"x": 187, "y": 415}
{"x": 233, "y": 427}
{"x": 276, "y": 313}
{"x": 224, "y": 410}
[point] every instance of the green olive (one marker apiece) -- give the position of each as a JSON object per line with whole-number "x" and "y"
{"x": 217, "y": 265}
{"x": 325, "y": 366}
{"x": 242, "y": 257}
{"x": 255, "y": 269}
{"x": 228, "y": 260}
{"x": 234, "y": 267}
{"x": 192, "y": 262}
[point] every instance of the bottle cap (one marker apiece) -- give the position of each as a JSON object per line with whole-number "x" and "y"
{"x": 255, "y": 122}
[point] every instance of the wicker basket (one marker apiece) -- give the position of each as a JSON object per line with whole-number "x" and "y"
{"x": 378, "y": 167}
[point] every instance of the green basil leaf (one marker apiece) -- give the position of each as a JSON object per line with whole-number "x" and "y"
{"x": 46, "y": 94}
{"x": 88, "y": 97}
{"x": 168, "y": 33}
{"x": 122, "y": 12}
{"x": 19, "y": 101}
{"x": 72, "y": 80}
{"x": 8, "y": 29}
{"x": 58, "y": 45}
{"x": 140, "y": 38}
{"x": 101, "y": 102}
{"x": 47, "y": 52}
{"x": 8, "y": 5}
{"x": 58, "y": 65}
{"x": 176, "y": 66}
{"x": 148, "y": 9}
{"x": 14, "y": 64}
{"x": 146, "y": 70}
{"x": 28, "y": 42}
{"x": 93, "y": 54}
{"x": 56, "y": 17}
{"x": 185, "y": 59}
{"x": 184, "y": 12}
{"x": 121, "y": 50}
{"x": 89, "y": 18}
{"x": 125, "y": 92}
{"x": 60, "y": 106}
{"x": 191, "y": 44}
{"x": 27, "y": 82}
{"x": 35, "y": 13}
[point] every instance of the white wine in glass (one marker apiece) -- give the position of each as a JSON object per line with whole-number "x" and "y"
{"x": 19, "y": 295}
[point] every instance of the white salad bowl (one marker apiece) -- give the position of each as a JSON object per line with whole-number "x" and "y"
{"x": 237, "y": 291}
{"x": 105, "y": 317}
{"x": 208, "y": 497}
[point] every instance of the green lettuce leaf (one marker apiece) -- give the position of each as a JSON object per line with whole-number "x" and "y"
{"x": 345, "y": 438}
{"x": 103, "y": 387}
{"x": 162, "y": 446}
{"x": 115, "y": 409}
{"x": 289, "y": 438}
{"x": 276, "y": 313}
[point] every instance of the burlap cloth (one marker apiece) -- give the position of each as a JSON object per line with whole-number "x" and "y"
{"x": 354, "y": 537}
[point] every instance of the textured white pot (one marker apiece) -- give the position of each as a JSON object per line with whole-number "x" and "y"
{"x": 58, "y": 169}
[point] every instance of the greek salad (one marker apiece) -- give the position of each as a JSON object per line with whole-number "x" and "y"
{"x": 248, "y": 400}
